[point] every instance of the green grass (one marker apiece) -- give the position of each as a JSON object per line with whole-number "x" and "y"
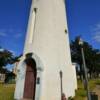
{"x": 7, "y": 91}
{"x": 81, "y": 93}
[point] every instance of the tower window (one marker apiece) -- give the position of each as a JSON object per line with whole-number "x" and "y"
{"x": 35, "y": 9}
{"x": 66, "y": 31}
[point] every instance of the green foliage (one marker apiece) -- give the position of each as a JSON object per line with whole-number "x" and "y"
{"x": 92, "y": 56}
{"x": 10, "y": 77}
{"x": 7, "y": 57}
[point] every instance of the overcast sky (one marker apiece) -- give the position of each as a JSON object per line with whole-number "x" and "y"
{"x": 83, "y": 19}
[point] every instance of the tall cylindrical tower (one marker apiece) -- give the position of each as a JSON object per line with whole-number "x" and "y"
{"x": 47, "y": 44}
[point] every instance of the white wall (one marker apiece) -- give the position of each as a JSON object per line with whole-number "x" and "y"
{"x": 51, "y": 45}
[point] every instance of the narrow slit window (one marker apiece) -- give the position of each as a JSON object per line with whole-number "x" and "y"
{"x": 33, "y": 21}
{"x": 66, "y": 31}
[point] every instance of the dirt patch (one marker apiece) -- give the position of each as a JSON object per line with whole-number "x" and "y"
{"x": 97, "y": 91}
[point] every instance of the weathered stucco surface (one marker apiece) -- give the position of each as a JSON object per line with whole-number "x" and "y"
{"x": 50, "y": 48}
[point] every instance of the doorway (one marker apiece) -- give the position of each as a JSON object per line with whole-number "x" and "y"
{"x": 30, "y": 79}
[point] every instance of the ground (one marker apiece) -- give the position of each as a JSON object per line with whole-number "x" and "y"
{"x": 7, "y": 91}
{"x": 97, "y": 90}
{"x": 94, "y": 86}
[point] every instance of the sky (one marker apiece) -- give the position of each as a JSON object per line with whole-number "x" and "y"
{"x": 83, "y": 18}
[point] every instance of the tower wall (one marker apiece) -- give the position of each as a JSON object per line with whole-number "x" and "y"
{"x": 47, "y": 38}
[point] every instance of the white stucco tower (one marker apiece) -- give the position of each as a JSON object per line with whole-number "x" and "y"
{"x": 47, "y": 44}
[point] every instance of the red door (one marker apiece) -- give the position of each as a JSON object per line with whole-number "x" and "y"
{"x": 30, "y": 81}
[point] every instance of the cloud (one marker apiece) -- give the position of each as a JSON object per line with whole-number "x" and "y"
{"x": 96, "y": 27}
{"x": 96, "y": 32}
{"x": 12, "y": 51}
{"x": 10, "y": 30}
{"x": 97, "y": 37}
{"x": 3, "y": 34}
{"x": 18, "y": 35}
{"x": 1, "y": 49}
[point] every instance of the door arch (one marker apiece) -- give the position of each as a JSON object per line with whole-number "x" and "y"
{"x": 30, "y": 79}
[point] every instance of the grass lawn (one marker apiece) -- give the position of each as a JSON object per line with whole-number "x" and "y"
{"x": 81, "y": 93}
{"x": 7, "y": 91}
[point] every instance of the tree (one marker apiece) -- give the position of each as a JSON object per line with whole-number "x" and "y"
{"x": 76, "y": 55}
{"x": 5, "y": 58}
{"x": 92, "y": 56}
